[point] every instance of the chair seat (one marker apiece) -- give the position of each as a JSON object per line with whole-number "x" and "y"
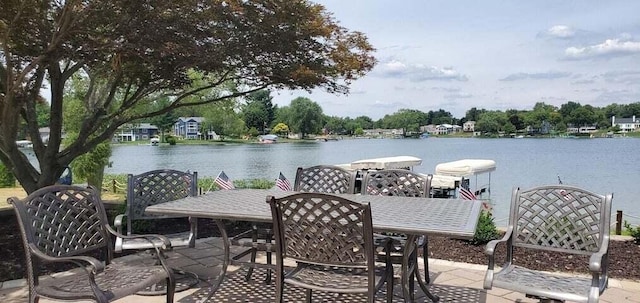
{"x": 333, "y": 279}
{"x": 177, "y": 240}
{"x": 119, "y": 278}
{"x": 543, "y": 284}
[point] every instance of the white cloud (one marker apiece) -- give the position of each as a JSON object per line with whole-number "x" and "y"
{"x": 584, "y": 81}
{"x": 624, "y": 77}
{"x": 458, "y": 95}
{"x": 617, "y": 96}
{"x": 610, "y": 47}
{"x": 419, "y": 72}
{"x": 384, "y": 104}
{"x": 561, "y": 32}
{"x": 536, "y": 76}
{"x": 446, "y": 89}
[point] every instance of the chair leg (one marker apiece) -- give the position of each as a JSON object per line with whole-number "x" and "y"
{"x": 279, "y": 289}
{"x": 308, "y": 296}
{"x": 390, "y": 287}
{"x": 267, "y": 280}
{"x": 425, "y": 257}
{"x": 171, "y": 288}
{"x": 250, "y": 270}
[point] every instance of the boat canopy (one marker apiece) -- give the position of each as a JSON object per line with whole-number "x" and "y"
{"x": 269, "y": 137}
{"x": 465, "y": 167}
{"x": 445, "y": 182}
{"x": 387, "y": 163}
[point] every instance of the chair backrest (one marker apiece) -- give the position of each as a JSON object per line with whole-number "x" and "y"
{"x": 155, "y": 187}
{"x": 325, "y": 179}
{"x": 560, "y": 218}
{"x": 396, "y": 182}
{"x": 323, "y": 229}
{"x": 62, "y": 220}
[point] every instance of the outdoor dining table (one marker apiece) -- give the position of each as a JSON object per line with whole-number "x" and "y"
{"x": 411, "y": 216}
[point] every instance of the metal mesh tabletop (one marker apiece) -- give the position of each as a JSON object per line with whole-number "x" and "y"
{"x": 451, "y": 217}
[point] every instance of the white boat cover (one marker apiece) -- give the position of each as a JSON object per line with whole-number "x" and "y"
{"x": 444, "y": 182}
{"x": 465, "y": 167}
{"x": 387, "y": 163}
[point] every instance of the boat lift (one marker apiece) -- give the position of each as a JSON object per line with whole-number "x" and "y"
{"x": 450, "y": 176}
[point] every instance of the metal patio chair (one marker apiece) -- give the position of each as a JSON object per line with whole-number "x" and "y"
{"x": 402, "y": 183}
{"x": 556, "y": 218}
{"x": 331, "y": 240}
{"x": 151, "y": 188}
{"x": 325, "y": 179}
{"x": 65, "y": 223}
{"x": 322, "y": 178}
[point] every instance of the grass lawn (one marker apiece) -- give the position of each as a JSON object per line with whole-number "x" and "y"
{"x": 6, "y": 193}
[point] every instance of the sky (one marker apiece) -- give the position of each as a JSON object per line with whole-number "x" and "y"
{"x": 495, "y": 55}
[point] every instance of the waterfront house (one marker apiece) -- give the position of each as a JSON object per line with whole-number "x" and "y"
{"x": 44, "y": 134}
{"x": 135, "y": 132}
{"x": 626, "y": 124}
{"x": 544, "y": 129}
{"x": 384, "y": 133}
{"x": 469, "y": 126}
{"x": 445, "y": 129}
{"x": 585, "y": 129}
{"x": 188, "y": 127}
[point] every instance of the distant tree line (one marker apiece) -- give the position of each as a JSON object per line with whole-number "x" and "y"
{"x": 256, "y": 114}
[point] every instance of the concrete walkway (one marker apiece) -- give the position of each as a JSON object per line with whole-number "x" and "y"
{"x": 453, "y": 282}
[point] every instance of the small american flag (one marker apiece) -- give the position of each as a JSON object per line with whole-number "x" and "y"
{"x": 466, "y": 194}
{"x": 223, "y": 181}
{"x": 283, "y": 184}
{"x": 565, "y": 194}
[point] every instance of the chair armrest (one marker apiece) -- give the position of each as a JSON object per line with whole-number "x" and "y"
{"x": 166, "y": 243}
{"x": 82, "y": 261}
{"x": 490, "y": 250}
{"x": 90, "y": 265}
{"x": 491, "y": 246}
{"x": 595, "y": 261}
{"x": 117, "y": 222}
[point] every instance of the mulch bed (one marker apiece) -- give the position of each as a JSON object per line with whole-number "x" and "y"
{"x": 623, "y": 255}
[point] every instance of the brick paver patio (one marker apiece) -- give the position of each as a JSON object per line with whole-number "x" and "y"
{"x": 453, "y": 282}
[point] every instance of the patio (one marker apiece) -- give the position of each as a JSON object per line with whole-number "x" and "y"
{"x": 453, "y": 282}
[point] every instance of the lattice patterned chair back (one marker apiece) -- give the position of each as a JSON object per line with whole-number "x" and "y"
{"x": 325, "y": 179}
{"x": 151, "y": 188}
{"x": 561, "y": 218}
{"x": 66, "y": 223}
{"x": 396, "y": 182}
{"x": 403, "y": 183}
{"x": 331, "y": 240}
{"x": 558, "y": 218}
{"x": 323, "y": 229}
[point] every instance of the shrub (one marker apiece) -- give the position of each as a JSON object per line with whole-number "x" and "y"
{"x": 171, "y": 140}
{"x": 633, "y": 231}
{"x": 7, "y": 179}
{"x": 486, "y": 229}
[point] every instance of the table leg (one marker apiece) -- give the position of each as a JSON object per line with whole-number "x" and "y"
{"x": 225, "y": 262}
{"x": 408, "y": 269}
{"x": 411, "y": 256}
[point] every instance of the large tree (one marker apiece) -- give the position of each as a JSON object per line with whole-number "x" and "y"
{"x": 259, "y": 111}
{"x": 305, "y": 116}
{"x": 134, "y": 52}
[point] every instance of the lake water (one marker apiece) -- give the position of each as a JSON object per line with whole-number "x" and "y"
{"x": 600, "y": 165}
